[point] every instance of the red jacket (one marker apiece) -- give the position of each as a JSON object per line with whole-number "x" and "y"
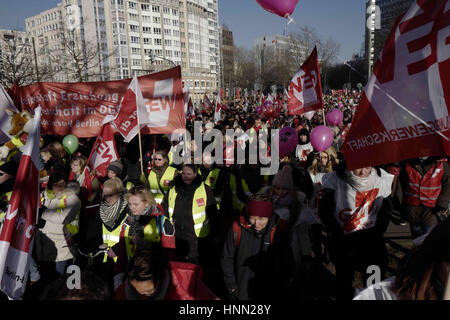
{"x": 424, "y": 189}
{"x": 186, "y": 284}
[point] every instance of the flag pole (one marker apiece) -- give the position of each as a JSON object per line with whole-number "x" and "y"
{"x": 136, "y": 83}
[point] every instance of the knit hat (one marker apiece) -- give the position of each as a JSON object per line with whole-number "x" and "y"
{"x": 10, "y": 167}
{"x": 258, "y": 208}
{"x": 284, "y": 178}
{"x": 116, "y": 166}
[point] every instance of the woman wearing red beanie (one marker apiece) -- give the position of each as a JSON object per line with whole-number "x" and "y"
{"x": 257, "y": 260}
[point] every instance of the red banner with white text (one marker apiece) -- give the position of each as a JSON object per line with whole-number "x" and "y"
{"x": 79, "y": 108}
{"x": 404, "y": 111}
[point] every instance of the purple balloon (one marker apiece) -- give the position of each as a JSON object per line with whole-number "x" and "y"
{"x": 321, "y": 138}
{"x": 283, "y": 8}
{"x": 258, "y": 109}
{"x": 334, "y": 117}
{"x": 288, "y": 141}
{"x": 267, "y": 104}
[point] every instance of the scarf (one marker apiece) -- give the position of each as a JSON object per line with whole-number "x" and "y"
{"x": 361, "y": 184}
{"x": 110, "y": 213}
{"x": 138, "y": 224}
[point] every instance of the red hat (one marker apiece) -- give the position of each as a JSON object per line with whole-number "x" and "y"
{"x": 258, "y": 208}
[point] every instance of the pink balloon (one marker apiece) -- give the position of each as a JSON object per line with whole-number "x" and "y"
{"x": 321, "y": 138}
{"x": 258, "y": 109}
{"x": 283, "y": 8}
{"x": 309, "y": 115}
{"x": 334, "y": 117}
{"x": 270, "y": 112}
{"x": 288, "y": 141}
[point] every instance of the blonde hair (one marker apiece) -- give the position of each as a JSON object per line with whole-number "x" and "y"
{"x": 331, "y": 164}
{"x": 56, "y": 150}
{"x": 115, "y": 184}
{"x": 143, "y": 193}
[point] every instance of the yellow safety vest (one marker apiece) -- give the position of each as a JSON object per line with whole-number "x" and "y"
{"x": 111, "y": 238}
{"x": 16, "y": 141}
{"x": 73, "y": 227}
{"x": 168, "y": 176}
{"x": 237, "y": 203}
{"x": 152, "y": 233}
{"x": 211, "y": 181}
{"x": 170, "y": 156}
{"x": 201, "y": 222}
{"x": 129, "y": 185}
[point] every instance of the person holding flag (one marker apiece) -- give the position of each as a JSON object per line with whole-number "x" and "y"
{"x": 16, "y": 239}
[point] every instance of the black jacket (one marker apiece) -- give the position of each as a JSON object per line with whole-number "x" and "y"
{"x": 257, "y": 268}
{"x": 186, "y": 239}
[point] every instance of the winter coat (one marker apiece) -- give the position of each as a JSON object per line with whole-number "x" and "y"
{"x": 51, "y": 239}
{"x": 185, "y": 237}
{"x": 257, "y": 268}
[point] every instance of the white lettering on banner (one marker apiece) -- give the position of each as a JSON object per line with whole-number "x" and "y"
{"x": 126, "y": 125}
{"x": 400, "y": 134}
{"x": 421, "y": 41}
{"x": 9, "y": 215}
{"x": 163, "y": 101}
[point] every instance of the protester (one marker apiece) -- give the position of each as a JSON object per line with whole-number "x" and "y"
{"x": 424, "y": 186}
{"x": 151, "y": 277}
{"x": 191, "y": 206}
{"x": 144, "y": 224}
{"x": 60, "y": 211}
{"x": 161, "y": 175}
{"x": 355, "y": 209}
{"x": 257, "y": 260}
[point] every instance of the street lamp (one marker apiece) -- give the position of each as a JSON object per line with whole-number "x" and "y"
{"x": 152, "y": 57}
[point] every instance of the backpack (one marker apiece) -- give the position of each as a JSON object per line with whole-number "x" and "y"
{"x": 237, "y": 228}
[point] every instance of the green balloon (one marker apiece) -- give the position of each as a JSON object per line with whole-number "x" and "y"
{"x": 70, "y": 143}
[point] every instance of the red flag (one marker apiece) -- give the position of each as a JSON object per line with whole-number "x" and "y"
{"x": 404, "y": 111}
{"x": 17, "y": 234}
{"x": 238, "y": 94}
{"x": 222, "y": 93}
{"x": 305, "y": 90}
{"x": 207, "y": 105}
{"x": 103, "y": 152}
{"x": 132, "y": 115}
{"x": 217, "y": 113}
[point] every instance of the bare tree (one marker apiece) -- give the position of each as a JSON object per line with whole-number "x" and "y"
{"x": 245, "y": 68}
{"x": 17, "y": 60}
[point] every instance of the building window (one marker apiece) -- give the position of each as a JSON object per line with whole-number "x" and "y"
{"x": 146, "y": 30}
{"x": 156, "y": 20}
{"x": 157, "y": 30}
{"x": 145, "y": 7}
{"x": 132, "y": 5}
{"x": 166, "y": 10}
{"x": 147, "y": 41}
{"x": 136, "y": 62}
{"x": 158, "y": 42}
{"x": 155, "y": 9}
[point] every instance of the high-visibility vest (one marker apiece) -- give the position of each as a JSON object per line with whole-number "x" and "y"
{"x": 168, "y": 176}
{"x": 152, "y": 233}
{"x": 236, "y": 202}
{"x": 170, "y": 156}
{"x": 73, "y": 227}
{"x": 129, "y": 185}
{"x": 424, "y": 189}
{"x": 17, "y": 141}
{"x": 211, "y": 181}
{"x": 201, "y": 221}
{"x": 111, "y": 238}
{"x": 5, "y": 197}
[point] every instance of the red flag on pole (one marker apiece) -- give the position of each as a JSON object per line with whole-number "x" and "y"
{"x": 305, "y": 89}
{"x": 404, "y": 111}
{"x": 132, "y": 115}
{"x": 17, "y": 234}
{"x": 103, "y": 152}
{"x": 238, "y": 94}
{"x": 207, "y": 105}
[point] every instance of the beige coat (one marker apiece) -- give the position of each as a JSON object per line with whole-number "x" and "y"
{"x": 51, "y": 240}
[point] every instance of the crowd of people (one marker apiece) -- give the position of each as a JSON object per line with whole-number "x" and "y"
{"x": 236, "y": 234}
